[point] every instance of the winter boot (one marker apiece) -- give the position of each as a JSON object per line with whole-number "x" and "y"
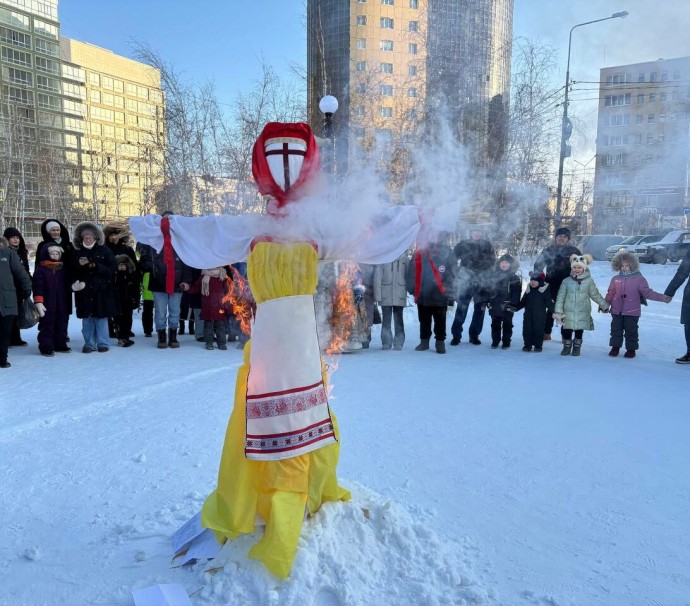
{"x": 684, "y": 359}
{"x": 455, "y": 341}
{"x": 614, "y": 351}
{"x": 172, "y": 338}
{"x": 423, "y": 345}
{"x": 162, "y": 340}
{"x": 527, "y": 348}
{"x": 440, "y": 346}
{"x": 182, "y": 327}
{"x": 191, "y": 327}
{"x": 567, "y": 347}
{"x": 506, "y": 344}
{"x": 629, "y": 354}
{"x": 577, "y": 345}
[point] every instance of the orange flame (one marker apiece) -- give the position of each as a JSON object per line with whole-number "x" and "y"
{"x": 241, "y": 300}
{"x": 344, "y": 310}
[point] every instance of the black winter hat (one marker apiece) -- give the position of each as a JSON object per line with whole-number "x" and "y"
{"x": 562, "y": 231}
{"x": 540, "y": 278}
{"x": 12, "y": 232}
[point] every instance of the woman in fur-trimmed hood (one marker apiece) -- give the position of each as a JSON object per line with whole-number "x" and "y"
{"x": 93, "y": 268}
{"x": 627, "y": 292}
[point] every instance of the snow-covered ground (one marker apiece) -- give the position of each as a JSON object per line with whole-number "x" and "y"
{"x": 479, "y": 477}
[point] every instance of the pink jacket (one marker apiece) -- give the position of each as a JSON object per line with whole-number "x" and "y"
{"x": 625, "y": 292}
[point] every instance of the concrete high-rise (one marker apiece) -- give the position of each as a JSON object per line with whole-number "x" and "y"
{"x": 391, "y": 62}
{"x": 81, "y": 129}
{"x": 643, "y": 147}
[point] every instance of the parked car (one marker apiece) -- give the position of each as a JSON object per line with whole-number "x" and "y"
{"x": 637, "y": 245}
{"x": 597, "y": 244}
{"x": 672, "y": 247}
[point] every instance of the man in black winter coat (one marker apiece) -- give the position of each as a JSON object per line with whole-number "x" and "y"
{"x": 554, "y": 262}
{"x": 16, "y": 243}
{"x": 166, "y": 304}
{"x": 477, "y": 259}
{"x": 13, "y": 277}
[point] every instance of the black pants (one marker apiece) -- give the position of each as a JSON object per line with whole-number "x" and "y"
{"x": 427, "y": 313}
{"x": 123, "y": 324}
{"x": 147, "y": 317}
{"x": 568, "y": 333}
{"x": 477, "y": 322}
{"x": 5, "y": 334}
{"x": 532, "y": 330}
{"x": 502, "y": 329}
{"x": 217, "y": 328}
{"x": 396, "y": 314}
{"x": 625, "y": 326}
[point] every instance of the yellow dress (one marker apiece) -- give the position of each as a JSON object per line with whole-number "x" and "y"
{"x": 279, "y": 491}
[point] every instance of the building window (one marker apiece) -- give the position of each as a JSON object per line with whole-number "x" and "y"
{"x": 361, "y": 1}
{"x": 387, "y": 23}
{"x": 387, "y": 68}
{"x": 412, "y": 113}
{"x": 414, "y": 26}
{"x": 640, "y": 99}
{"x": 638, "y": 139}
{"x": 614, "y": 79}
{"x": 386, "y": 45}
{"x": 411, "y": 70}
{"x": 650, "y": 119}
{"x": 639, "y": 119}
{"x": 664, "y": 76}
{"x": 640, "y": 77}
{"x": 359, "y": 111}
{"x": 388, "y": 2}
{"x": 386, "y": 90}
{"x": 386, "y": 112}
{"x": 611, "y": 100}
{"x": 361, "y": 43}
{"x": 652, "y": 77}
{"x": 412, "y": 48}
{"x": 674, "y": 116}
{"x": 662, "y": 117}
{"x": 663, "y": 97}
{"x": 361, "y": 88}
{"x": 414, "y": 3}
{"x": 361, "y": 66}
{"x": 361, "y": 19}
{"x": 650, "y": 138}
{"x": 652, "y": 97}
{"x": 411, "y": 92}
{"x": 661, "y": 138}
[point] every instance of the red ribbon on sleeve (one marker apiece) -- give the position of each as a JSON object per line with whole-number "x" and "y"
{"x": 168, "y": 256}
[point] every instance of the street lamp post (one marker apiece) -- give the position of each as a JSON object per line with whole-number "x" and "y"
{"x": 566, "y": 125}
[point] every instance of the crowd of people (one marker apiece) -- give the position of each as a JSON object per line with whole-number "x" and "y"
{"x": 107, "y": 278}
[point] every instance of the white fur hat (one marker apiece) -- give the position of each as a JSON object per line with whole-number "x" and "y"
{"x": 52, "y": 225}
{"x": 580, "y": 261}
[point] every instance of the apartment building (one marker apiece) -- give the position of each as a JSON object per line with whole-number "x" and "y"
{"x": 81, "y": 129}
{"x": 643, "y": 148}
{"x": 390, "y": 62}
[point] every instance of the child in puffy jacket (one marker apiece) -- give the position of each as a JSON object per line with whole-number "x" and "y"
{"x": 537, "y": 303}
{"x": 627, "y": 292}
{"x": 574, "y": 304}
{"x": 213, "y": 284}
{"x": 505, "y": 297}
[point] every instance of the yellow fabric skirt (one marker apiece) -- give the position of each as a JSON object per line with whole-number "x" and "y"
{"x": 281, "y": 492}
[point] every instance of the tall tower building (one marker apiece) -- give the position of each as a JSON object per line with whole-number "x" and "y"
{"x": 81, "y": 129}
{"x": 392, "y": 62}
{"x": 642, "y": 176}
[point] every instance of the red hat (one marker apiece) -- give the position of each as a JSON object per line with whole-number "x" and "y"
{"x": 285, "y": 158}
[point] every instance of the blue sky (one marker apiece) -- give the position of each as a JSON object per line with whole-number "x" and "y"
{"x": 224, "y": 40}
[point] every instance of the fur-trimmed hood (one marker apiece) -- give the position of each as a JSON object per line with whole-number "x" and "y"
{"x": 625, "y": 257}
{"x": 64, "y": 234}
{"x": 122, "y": 231}
{"x": 79, "y": 234}
{"x": 540, "y": 288}
{"x": 131, "y": 267}
{"x": 13, "y": 231}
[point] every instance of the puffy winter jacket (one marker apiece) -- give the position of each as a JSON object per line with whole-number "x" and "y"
{"x": 575, "y": 298}
{"x": 431, "y": 275}
{"x": 389, "y": 282}
{"x": 625, "y": 292}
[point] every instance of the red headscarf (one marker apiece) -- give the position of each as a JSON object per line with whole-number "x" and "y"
{"x": 262, "y": 173}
